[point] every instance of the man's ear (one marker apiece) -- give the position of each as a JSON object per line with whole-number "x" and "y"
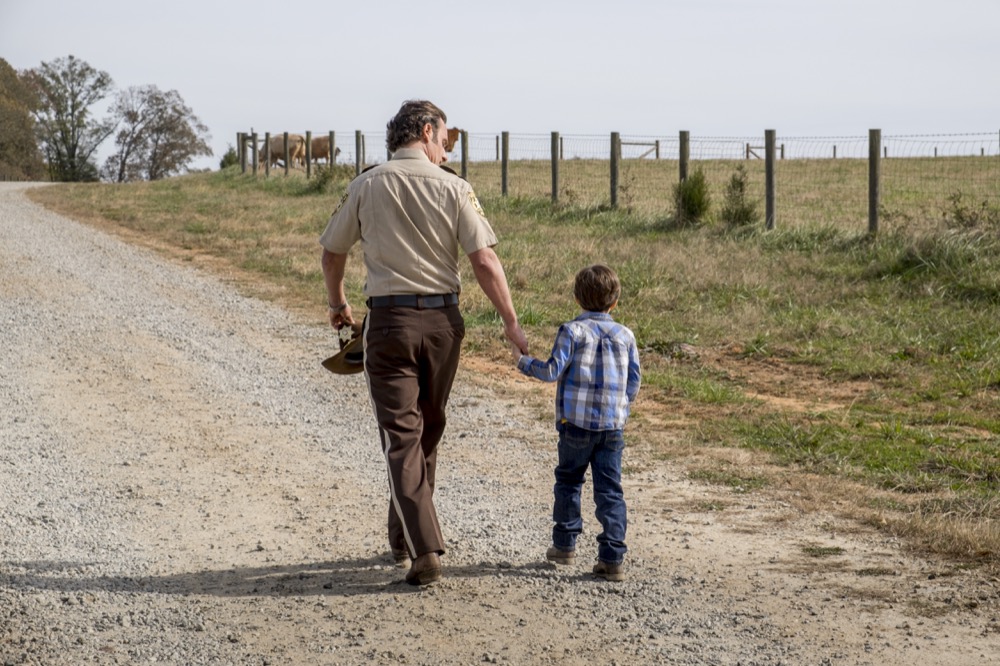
{"x": 428, "y": 132}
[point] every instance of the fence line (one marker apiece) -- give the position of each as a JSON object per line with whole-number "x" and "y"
{"x": 807, "y": 180}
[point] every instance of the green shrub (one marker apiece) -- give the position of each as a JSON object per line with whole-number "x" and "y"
{"x": 691, "y": 200}
{"x": 325, "y": 176}
{"x": 739, "y": 211}
{"x": 229, "y": 159}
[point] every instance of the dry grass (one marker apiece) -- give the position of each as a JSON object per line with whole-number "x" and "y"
{"x": 809, "y": 192}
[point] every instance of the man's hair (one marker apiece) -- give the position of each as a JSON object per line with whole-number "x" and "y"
{"x": 597, "y": 288}
{"x": 408, "y": 123}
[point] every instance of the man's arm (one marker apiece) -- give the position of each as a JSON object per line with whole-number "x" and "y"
{"x": 333, "y": 274}
{"x": 490, "y": 275}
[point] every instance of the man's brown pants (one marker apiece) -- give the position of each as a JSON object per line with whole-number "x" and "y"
{"x": 411, "y": 357}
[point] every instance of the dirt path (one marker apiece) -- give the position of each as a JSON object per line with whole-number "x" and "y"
{"x": 182, "y": 483}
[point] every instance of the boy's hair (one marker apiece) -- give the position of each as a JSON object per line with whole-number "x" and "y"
{"x": 597, "y": 288}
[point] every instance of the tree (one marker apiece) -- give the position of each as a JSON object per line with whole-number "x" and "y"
{"x": 19, "y": 155}
{"x": 158, "y": 135}
{"x": 66, "y": 89}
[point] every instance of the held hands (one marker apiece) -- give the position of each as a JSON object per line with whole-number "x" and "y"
{"x": 518, "y": 340}
{"x": 515, "y": 353}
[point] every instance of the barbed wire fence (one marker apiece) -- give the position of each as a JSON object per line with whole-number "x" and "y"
{"x": 823, "y": 180}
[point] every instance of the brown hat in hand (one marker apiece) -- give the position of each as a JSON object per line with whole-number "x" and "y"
{"x": 351, "y": 357}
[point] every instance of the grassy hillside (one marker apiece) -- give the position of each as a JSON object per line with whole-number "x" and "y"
{"x": 855, "y": 372}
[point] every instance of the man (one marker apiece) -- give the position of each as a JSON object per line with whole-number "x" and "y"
{"x": 412, "y": 218}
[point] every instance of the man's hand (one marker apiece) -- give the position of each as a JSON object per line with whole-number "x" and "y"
{"x": 340, "y": 318}
{"x": 515, "y": 353}
{"x": 516, "y": 337}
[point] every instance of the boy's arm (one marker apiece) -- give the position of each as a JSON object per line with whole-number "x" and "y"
{"x": 634, "y": 373}
{"x": 549, "y": 371}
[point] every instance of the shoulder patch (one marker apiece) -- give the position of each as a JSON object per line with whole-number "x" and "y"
{"x": 476, "y": 205}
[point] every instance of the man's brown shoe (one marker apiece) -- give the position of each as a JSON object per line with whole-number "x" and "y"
{"x": 553, "y": 554}
{"x": 425, "y": 569}
{"x": 608, "y": 571}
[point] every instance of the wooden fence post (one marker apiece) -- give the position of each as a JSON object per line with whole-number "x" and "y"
{"x": 358, "y": 160}
{"x": 465, "y": 154}
{"x": 616, "y": 154}
{"x": 504, "y": 161}
{"x": 555, "y": 167}
{"x": 874, "y": 178}
{"x": 769, "y": 136}
{"x": 332, "y": 158}
{"x": 657, "y": 149}
{"x": 253, "y": 152}
{"x": 287, "y": 151}
{"x": 267, "y": 154}
{"x": 242, "y": 143}
{"x": 684, "y": 155}
{"x": 309, "y": 154}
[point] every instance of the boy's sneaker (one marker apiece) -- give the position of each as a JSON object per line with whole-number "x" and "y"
{"x": 608, "y": 571}
{"x": 553, "y": 554}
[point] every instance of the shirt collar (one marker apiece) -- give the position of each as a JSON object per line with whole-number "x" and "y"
{"x": 600, "y": 316}
{"x": 410, "y": 154}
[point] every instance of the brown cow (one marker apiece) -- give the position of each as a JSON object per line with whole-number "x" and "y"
{"x": 321, "y": 149}
{"x": 453, "y": 134}
{"x": 296, "y": 149}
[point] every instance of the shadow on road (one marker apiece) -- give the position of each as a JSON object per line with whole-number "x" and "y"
{"x": 345, "y": 577}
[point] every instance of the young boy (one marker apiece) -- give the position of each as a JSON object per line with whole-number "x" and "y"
{"x": 596, "y": 363}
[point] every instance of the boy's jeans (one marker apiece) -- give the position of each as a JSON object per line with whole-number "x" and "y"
{"x": 601, "y": 450}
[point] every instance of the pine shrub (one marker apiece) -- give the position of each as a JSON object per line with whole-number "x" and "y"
{"x": 739, "y": 211}
{"x": 691, "y": 200}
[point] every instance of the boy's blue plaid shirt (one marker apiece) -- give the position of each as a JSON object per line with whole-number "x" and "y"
{"x": 596, "y": 363}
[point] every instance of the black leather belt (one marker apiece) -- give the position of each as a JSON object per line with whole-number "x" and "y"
{"x": 419, "y": 301}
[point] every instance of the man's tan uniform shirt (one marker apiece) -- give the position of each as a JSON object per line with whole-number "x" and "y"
{"x": 411, "y": 217}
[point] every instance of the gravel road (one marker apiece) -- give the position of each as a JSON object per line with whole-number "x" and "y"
{"x": 182, "y": 483}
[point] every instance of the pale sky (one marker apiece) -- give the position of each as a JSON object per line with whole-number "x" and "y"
{"x": 712, "y": 67}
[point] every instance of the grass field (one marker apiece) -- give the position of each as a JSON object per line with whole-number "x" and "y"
{"x": 856, "y": 372}
{"x": 808, "y": 191}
